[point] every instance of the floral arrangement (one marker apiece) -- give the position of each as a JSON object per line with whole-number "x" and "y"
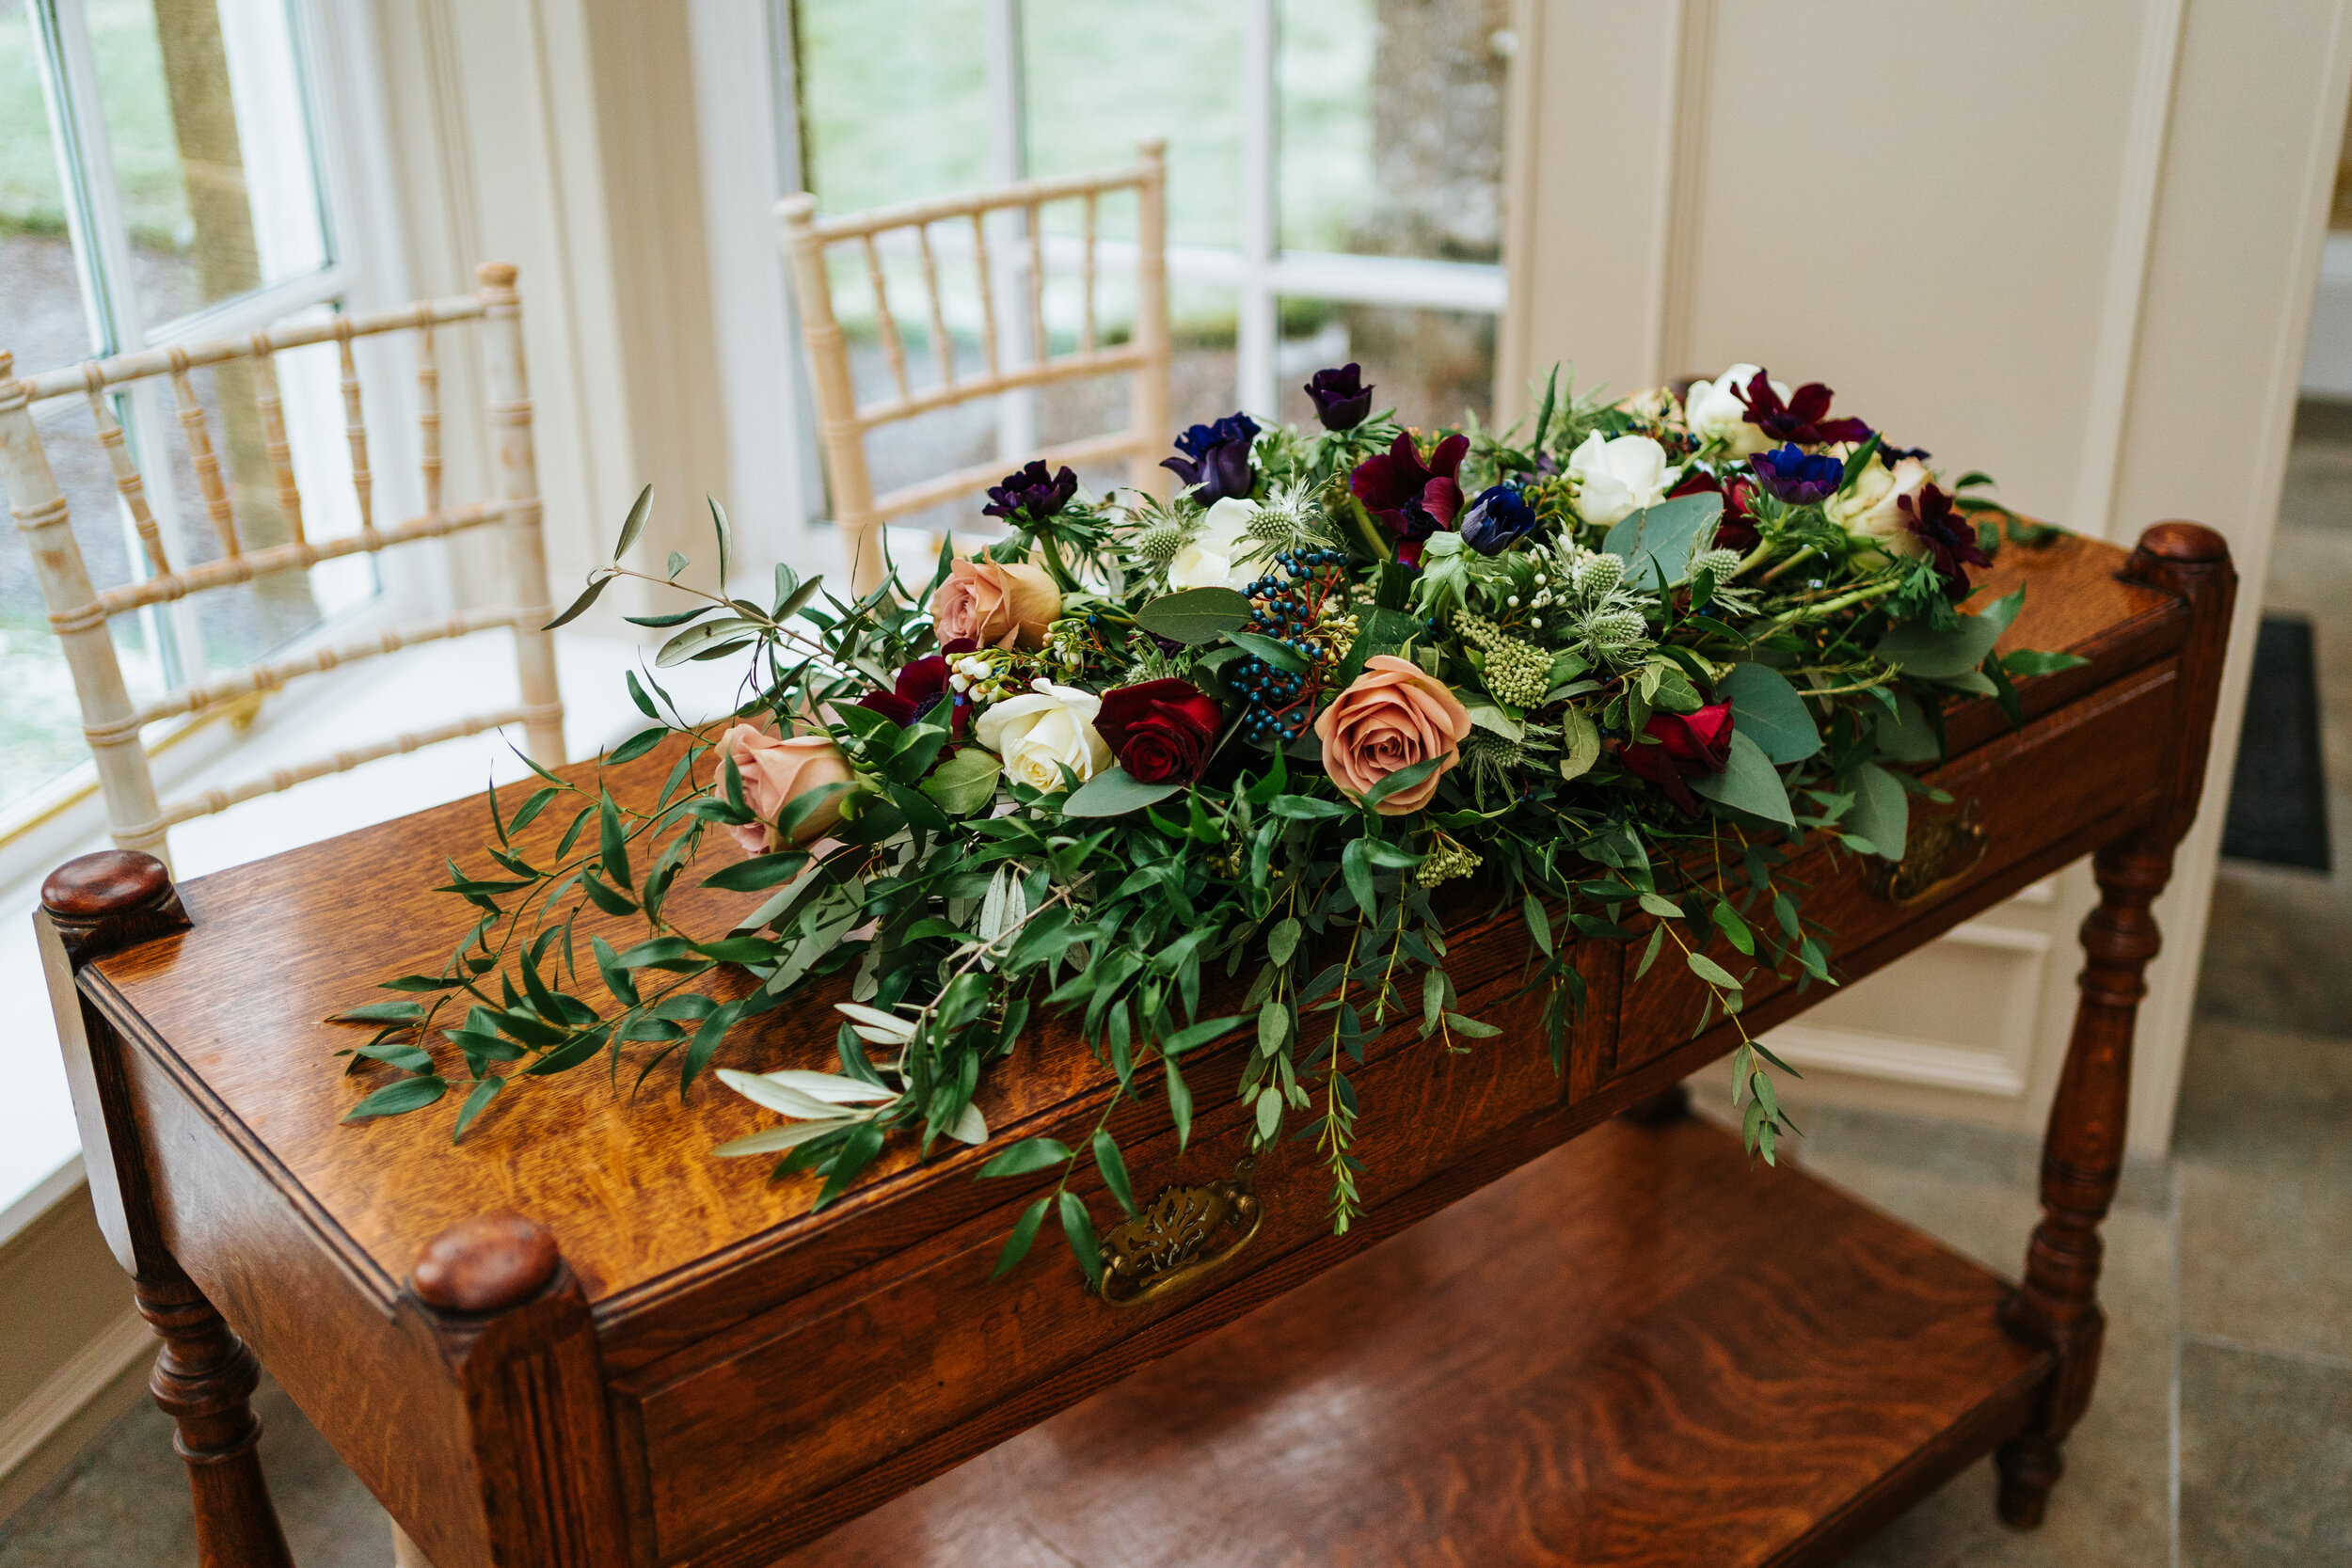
{"x": 1610, "y": 669}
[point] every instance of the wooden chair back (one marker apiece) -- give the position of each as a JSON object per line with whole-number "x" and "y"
{"x": 1009, "y": 366}
{"x": 79, "y": 613}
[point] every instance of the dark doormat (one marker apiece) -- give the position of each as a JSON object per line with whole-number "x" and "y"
{"x": 2278, "y": 795}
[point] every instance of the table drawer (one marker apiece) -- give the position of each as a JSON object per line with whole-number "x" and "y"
{"x": 2029, "y": 791}
{"x": 823, "y": 1388}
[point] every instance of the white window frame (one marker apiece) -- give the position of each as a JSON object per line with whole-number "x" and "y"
{"x": 351, "y": 158}
{"x": 751, "y": 157}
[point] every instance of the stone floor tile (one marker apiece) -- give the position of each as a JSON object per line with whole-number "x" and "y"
{"x": 124, "y": 1502}
{"x": 2265, "y": 1459}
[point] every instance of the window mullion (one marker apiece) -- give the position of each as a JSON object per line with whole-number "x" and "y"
{"x": 1259, "y": 325}
{"x": 105, "y": 256}
{"x": 1008, "y": 161}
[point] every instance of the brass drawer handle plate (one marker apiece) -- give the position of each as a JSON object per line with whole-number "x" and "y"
{"x": 1183, "y": 1234}
{"x": 1943, "y": 849}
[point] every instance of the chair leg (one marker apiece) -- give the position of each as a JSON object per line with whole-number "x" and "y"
{"x": 204, "y": 1380}
{"x": 2082, "y": 1158}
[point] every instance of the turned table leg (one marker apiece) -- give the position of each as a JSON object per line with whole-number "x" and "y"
{"x": 2082, "y": 1158}
{"x": 204, "y": 1380}
{"x": 2082, "y": 1155}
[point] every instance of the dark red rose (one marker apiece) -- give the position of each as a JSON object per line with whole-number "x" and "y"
{"x": 1736, "y": 530}
{"x": 920, "y": 687}
{"x": 1804, "y": 419}
{"x": 1160, "y": 730}
{"x": 1950, "y": 538}
{"x": 1689, "y": 746}
{"x": 1411, "y": 499}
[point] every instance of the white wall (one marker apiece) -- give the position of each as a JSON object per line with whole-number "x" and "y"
{"x": 2074, "y": 246}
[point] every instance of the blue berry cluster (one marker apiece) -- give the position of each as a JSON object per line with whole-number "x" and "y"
{"x": 1271, "y": 711}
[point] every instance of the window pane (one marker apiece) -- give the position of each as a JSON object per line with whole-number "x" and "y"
{"x": 1098, "y": 79}
{"x": 207, "y": 125}
{"x": 1428, "y": 365}
{"x": 889, "y": 114}
{"x": 244, "y": 622}
{"x": 43, "y": 321}
{"x": 1391, "y": 127}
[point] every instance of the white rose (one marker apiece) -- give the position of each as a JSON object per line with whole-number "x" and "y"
{"x": 1715, "y": 415}
{"x": 1871, "y": 511}
{"x": 1040, "y": 734}
{"x": 1221, "y": 553}
{"x": 1618, "y": 478}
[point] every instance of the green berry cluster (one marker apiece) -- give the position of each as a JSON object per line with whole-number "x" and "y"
{"x": 1445, "y": 860}
{"x": 1517, "y": 673}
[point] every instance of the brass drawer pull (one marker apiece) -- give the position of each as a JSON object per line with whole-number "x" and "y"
{"x": 1160, "y": 1250}
{"x": 1943, "y": 849}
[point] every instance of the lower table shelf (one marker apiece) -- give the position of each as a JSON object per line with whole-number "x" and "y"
{"x": 1637, "y": 1349}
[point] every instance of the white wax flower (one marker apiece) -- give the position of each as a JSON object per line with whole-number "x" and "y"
{"x": 1221, "y": 553}
{"x": 1713, "y": 414}
{"x": 1618, "y": 478}
{"x": 1038, "y": 734}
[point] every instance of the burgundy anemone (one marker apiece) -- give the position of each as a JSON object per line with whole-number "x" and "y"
{"x": 1803, "y": 420}
{"x": 1950, "y": 538}
{"x": 921, "y": 686}
{"x": 1411, "y": 499}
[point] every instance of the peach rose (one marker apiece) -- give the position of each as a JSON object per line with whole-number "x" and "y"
{"x": 1394, "y": 716}
{"x": 775, "y": 774}
{"x": 995, "y": 605}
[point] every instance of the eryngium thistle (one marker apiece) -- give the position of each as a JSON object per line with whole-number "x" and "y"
{"x": 1160, "y": 542}
{"x": 1717, "y": 565}
{"x": 1597, "y": 575}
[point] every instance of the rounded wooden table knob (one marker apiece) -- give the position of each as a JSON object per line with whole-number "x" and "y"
{"x": 485, "y": 1264}
{"x": 105, "y": 884}
{"x": 2191, "y": 543}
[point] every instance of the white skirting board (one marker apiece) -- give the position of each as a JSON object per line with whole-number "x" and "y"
{"x": 2327, "y": 352}
{"x": 65, "y": 1392}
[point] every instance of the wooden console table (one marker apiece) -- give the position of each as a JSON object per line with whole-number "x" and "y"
{"x": 575, "y": 1338}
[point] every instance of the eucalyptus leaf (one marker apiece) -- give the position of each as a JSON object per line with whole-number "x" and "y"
{"x": 1768, "y": 710}
{"x": 1195, "y": 615}
{"x": 1748, "y": 784}
{"x": 1920, "y": 650}
{"x": 1657, "y": 541}
{"x": 965, "y": 782}
{"x": 1881, "y": 812}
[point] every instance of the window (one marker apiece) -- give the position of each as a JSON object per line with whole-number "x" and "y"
{"x": 164, "y": 178}
{"x": 1335, "y": 183}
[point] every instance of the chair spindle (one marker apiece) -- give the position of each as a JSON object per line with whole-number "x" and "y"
{"x": 274, "y": 442}
{"x": 987, "y": 292}
{"x": 942, "y": 344}
{"x": 892, "y": 349}
{"x": 429, "y": 420}
{"x": 1037, "y": 282}
{"x": 356, "y": 431}
{"x": 1086, "y": 336}
{"x": 128, "y": 482}
{"x": 200, "y": 454}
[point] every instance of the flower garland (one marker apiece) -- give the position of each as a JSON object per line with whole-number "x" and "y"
{"x": 1625, "y": 668}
